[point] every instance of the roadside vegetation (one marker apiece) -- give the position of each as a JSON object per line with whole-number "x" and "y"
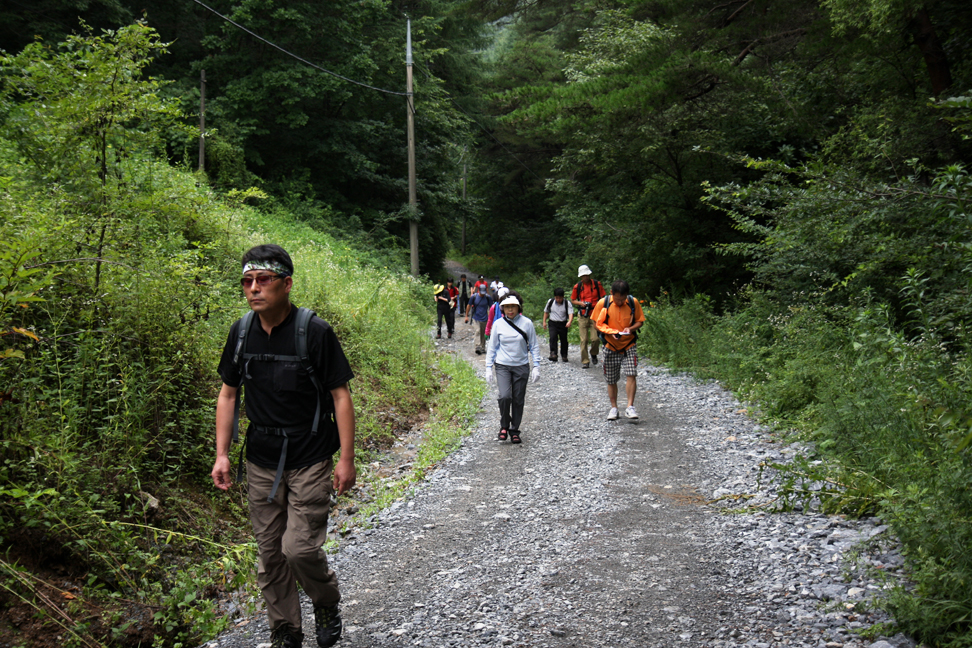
{"x": 118, "y": 283}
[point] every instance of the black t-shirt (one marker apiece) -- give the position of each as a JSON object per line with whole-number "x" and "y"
{"x": 284, "y": 396}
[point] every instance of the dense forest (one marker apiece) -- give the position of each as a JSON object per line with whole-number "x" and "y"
{"x": 786, "y": 184}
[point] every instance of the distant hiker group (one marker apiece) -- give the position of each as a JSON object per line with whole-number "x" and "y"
{"x": 606, "y": 321}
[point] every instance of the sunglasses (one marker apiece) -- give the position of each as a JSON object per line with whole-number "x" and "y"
{"x": 261, "y": 280}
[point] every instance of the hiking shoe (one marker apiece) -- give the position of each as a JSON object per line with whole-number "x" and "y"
{"x": 479, "y": 352}
{"x": 630, "y": 412}
{"x": 613, "y": 414}
{"x": 564, "y": 359}
{"x": 286, "y": 636}
{"x": 438, "y": 336}
{"x": 594, "y": 358}
{"x": 586, "y": 365}
{"x": 327, "y": 623}
{"x": 552, "y": 358}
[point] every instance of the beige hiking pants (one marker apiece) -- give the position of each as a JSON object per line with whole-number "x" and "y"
{"x": 588, "y": 334}
{"x": 290, "y": 534}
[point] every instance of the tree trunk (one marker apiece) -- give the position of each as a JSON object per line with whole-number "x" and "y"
{"x": 928, "y": 43}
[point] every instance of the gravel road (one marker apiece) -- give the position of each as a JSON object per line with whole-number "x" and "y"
{"x": 605, "y": 533}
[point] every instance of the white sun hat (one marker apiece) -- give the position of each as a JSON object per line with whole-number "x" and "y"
{"x": 583, "y": 270}
{"x": 502, "y": 292}
{"x": 510, "y": 301}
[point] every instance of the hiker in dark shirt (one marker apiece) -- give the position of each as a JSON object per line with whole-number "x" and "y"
{"x": 465, "y": 292}
{"x": 298, "y": 420}
{"x": 445, "y": 307}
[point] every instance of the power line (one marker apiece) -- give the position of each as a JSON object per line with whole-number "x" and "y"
{"x": 292, "y": 55}
{"x": 365, "y": 85}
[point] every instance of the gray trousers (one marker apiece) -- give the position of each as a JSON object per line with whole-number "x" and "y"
{"x": 511, "y": 384}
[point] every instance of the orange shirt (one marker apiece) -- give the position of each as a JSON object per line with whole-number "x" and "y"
{"x": 618, "y": 318}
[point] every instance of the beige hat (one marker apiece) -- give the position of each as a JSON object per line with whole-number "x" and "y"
{"x": 583, "y": 270}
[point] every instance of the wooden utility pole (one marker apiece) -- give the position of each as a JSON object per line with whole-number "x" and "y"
{"x": 412, "y": 199}
{"x": 463, "y": 247}
{"x": 202, "y": 120}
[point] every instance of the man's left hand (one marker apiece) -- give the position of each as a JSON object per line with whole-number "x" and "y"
{"x": 345, "y": 475}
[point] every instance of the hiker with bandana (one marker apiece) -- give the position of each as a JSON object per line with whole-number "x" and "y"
{"x": 295, "y": 377}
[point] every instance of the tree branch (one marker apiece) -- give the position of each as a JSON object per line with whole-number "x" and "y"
{"x": 97, "y": 259}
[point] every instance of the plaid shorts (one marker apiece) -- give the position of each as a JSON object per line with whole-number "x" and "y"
{"x": 615, "y": 361}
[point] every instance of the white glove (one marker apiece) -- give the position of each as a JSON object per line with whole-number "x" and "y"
{"x": 489, "y": 376}
{"x": 534, "y": 374}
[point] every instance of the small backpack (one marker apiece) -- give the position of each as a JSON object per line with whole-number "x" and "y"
{"x": 605, "y": 305}
{"x": 586, "y": 312}
{"x": 546, "y": 309}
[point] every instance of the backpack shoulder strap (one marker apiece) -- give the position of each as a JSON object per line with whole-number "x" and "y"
{"x": 245, "y": 323}
{"x": 301, "y": 324}
{"x": 631, "y": 305}
{"x": 546, "y": 309}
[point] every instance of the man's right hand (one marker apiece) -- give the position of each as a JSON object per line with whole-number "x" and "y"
{"x": 222, "y": 473}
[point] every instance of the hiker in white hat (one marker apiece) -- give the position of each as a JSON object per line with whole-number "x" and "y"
{"x": 512, "y": 349}
{"x": 584, "y": 297}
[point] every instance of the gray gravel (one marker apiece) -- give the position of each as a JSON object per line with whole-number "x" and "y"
{"x": 607, "y": 533}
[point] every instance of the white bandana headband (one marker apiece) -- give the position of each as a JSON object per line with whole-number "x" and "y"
{"x": 272, "y": 266}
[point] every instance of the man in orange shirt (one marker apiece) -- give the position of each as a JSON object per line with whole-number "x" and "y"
{"x": 618, "y": 319}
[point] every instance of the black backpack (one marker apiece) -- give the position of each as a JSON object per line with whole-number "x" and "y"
{"x": 606, "y": 303}
{"x": 325, "y": 403}
{"x": 586, "y": 312}
{"x": 546, "y": 309}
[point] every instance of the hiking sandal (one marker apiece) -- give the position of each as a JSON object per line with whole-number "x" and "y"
{"x": 515, "y": 436}
{"x": 502, "y": 435}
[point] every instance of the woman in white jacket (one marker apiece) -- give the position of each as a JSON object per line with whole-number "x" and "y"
{"x": 512, "y": 346}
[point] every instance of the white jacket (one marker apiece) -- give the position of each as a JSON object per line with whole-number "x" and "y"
{"x": 507, "y": 346}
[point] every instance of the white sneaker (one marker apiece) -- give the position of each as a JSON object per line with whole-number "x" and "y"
{"x": 630, "y": 412}
{"x": 613, "y": 414}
